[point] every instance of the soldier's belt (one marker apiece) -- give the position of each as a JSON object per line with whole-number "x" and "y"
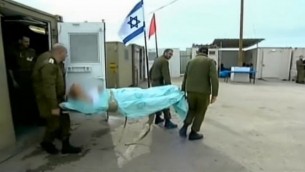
{"x": 112, "y": 103}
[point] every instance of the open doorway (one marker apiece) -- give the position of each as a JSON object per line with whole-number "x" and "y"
{"x": 23, "y": 106}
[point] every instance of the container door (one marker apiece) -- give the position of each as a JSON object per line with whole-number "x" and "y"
{"x": 276, "y": 63}
{"x": 271, "y": 60}
{"x": 85, "y": 63}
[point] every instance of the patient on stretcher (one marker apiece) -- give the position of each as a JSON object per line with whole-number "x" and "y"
{"x": 77, "y": 93}
{"x": 131, "y": 102}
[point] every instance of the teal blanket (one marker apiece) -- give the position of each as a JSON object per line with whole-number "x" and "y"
{"x": 133, "y": 102}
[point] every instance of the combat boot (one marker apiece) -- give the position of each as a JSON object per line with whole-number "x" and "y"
{"x": 67, "y": 148}
{"x": 158, "y": 119}
{"x": 195, "y": 136}
{"x": 170, "y": 125}
{"x": 49, "y": 148}
{"x": 183, "y": 131}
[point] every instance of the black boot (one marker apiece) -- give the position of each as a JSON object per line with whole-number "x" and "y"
{"x": 169, "y": 125}
{"x": 158, "y": 119}
{"x": 195, "y": 136}
{"x": 69, "y": 149}
{"x": 183, "y": 131}
{"x": 49, "y": 147}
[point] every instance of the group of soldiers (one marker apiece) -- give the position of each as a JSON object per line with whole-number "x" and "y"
{"x": 41, "y": 83}
{"x": 200, "y": 83}
{"x": 300, "y": 70}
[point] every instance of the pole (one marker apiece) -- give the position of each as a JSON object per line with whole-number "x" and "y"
{"x": 156, "y": 38}
{"x": 240, "y": 57}
{"x": 146, "y": 58}
{"x": 145, "y": 47}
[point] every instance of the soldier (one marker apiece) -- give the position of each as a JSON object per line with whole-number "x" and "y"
{"x": 160, "y": 75}
{"x": 199, "y": 78}
{"x": 49, "y": 86}
{"x": 300, "y": 70}
{"x": 21, "y": 60}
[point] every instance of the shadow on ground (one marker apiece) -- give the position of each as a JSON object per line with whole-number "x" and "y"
{"x": 168, "y": 153}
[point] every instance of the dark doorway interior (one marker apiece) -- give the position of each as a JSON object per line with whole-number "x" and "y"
{"x": 24, "y": 110}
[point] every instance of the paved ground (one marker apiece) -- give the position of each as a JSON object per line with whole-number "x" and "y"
{"x": 250, "y": 128}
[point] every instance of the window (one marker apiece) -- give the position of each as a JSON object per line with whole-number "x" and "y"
{"x": 212, "y": 52}
{"x": 84, "y": 48}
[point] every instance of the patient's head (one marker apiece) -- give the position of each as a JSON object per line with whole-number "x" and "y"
{"x": 75, "y": 91}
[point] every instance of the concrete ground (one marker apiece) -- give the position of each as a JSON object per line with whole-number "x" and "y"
{"x": 250, "y": 128}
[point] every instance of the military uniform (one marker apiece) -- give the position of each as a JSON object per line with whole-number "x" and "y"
{"x": 49, "y": 86}
{"x": 25, "y": 59}
{"x": 300, "y": 71}
{"x": 21, "y": 62}
{"x": 160, "y": 75}
{"x": 200, "y": 81}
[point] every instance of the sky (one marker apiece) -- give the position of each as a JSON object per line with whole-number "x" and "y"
{"x": 280, "y": 23}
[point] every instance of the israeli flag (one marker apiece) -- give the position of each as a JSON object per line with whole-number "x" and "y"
{"x": 133, "y": 24}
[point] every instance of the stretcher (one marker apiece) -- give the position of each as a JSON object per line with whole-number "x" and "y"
{"x": 132, "y": 103}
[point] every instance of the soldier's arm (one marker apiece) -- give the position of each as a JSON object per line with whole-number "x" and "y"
{"x": 165, "y": 73}
{"x": 184, "y": 77}
{"x": 214, "y": 79}
{"x": 48, "y": 76}
{"x": 34, "y": 55}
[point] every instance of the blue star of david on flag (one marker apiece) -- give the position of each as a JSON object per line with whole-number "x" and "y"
{"x": 133, "y": 24}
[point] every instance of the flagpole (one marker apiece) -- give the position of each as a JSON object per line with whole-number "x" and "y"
{"x": 145, "y": 47}
{"x": 156, "y": 38}
{"x": 146, "y": 57}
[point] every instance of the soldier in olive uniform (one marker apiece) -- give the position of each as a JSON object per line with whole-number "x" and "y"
{"x": 300, "y": 70}
{"x": 21, "y": 61}
{"x": 160, "y": 75}
{"x": 199, "y": 78}
{"x": 49, "y": 86}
